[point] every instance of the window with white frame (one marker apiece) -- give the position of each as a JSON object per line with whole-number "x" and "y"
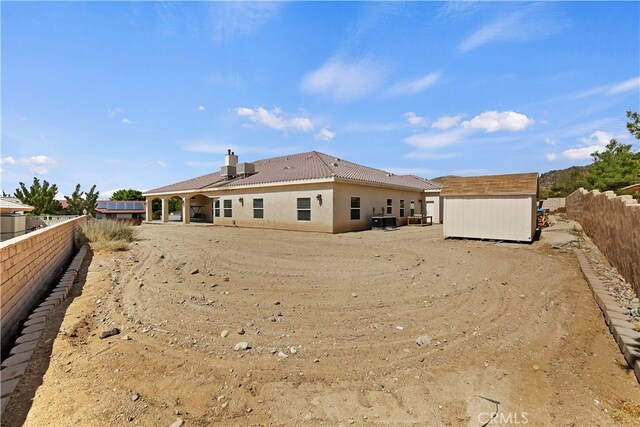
{"x": 389, "y": 206}
{"x": 228, "y": 208}
{"x": 258, "y": 208}
{"x": 401, "y": 208}
{"x": 355, "y": 208}
{"x": 216, "y": 208}
{"x": 304, "y": 208}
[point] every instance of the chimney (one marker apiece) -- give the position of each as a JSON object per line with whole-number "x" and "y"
{"x": 230, "y": 159}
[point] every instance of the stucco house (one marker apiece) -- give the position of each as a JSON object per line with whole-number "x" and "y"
{"x": 309, "y": 191}
{"x": 121, "y": 210}
{"x": 12, "y": 218}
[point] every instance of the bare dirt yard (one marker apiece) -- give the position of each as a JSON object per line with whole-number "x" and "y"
{"x": 332, "y": 323}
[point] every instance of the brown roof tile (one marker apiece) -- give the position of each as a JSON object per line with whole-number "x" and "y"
{"x": 491, "y": 185}
{"x": 299, "y": 167}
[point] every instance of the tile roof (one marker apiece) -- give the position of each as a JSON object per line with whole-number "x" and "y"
{"x": 491, "y": 185}
{"x": 298, "y": 167}
{"x": 13, "y": 204}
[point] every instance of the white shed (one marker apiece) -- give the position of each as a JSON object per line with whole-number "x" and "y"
{"x": 497, "y": 207}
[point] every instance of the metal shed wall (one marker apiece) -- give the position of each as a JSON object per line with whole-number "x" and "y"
{"x": 490, "y": 217}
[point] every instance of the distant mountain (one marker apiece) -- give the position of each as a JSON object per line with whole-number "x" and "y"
{"x": 563, "y": 181}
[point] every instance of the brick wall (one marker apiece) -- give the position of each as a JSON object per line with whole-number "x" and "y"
{"x": 29, "y": 264}
{"x": 613, "y": 223}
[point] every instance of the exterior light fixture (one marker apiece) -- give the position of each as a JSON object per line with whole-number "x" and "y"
{"x": 319, "y": 197}
{"x": 241, "y": 199}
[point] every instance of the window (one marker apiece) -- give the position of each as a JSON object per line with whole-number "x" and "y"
{"x": 355, "y": 208}
{"x": 304, "y": 209}
{"x": 389, "y": 206}
{"x": 401, "y": 208}
{"x": 216, "y": 208}
{"x": 258, "y": 208}
{"x": 412, "y": 207}
{"x": 228, "y": 208}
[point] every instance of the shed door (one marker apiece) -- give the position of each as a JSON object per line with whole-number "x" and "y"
{"x": 430, "y": 209}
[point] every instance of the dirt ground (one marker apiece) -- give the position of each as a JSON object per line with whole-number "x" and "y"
{"x": 332, "y": 323}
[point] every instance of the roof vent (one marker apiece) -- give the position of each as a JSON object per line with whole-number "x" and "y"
{"x": 334, "y": 164}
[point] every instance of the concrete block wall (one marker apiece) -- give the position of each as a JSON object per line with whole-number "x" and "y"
{"x": 553, "y": 203}
{"x": 28, "y": 265}
{"x": 613, "y": 223}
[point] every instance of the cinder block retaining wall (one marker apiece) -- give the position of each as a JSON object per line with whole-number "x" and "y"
{"x": 29, "y": 264}
{"x": 613, "y": 223}
{"x": 553, "y": 203}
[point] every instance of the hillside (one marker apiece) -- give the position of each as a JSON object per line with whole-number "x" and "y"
{"x": 558, "y": 179}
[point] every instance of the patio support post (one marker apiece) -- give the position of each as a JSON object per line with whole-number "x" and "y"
{"x": 149, "y": 210}
{"x": 165, "y": 210}
{"x": 186, "y": 210}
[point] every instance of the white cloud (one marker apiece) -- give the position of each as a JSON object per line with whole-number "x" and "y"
{"x": 551, "y": 156}
{"x": 160, "y": 164}
{"x": 325, "y": 135}
{"x": 114, "y": 112}
{"x": 414, "y": 120}
{"x": 344, "y": 81}
{"x": 201, "y": 108}
{"x": 126, "y": 121}
{"x": 38, "y": 165}
{"x": 598, "y": 138}
{"x": 435, "y": 140}
{"x": 411, "y": 87}
{"x": 7, "y": 161}
{"x": 597, "y": 141}
{"x": 526, "y": 23}
{"x": 492, "y": 121}
{"x": 610, "y": 89}
{"x": 275, "y": 119}
{"x": 582, "y": 153}
{"x": 242, "y": 17}
{"x": 626, "y": 86}
{"x": 550, "y": 141}
{"x": 447, "y": 122}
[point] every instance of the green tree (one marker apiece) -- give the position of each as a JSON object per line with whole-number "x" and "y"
{"x": 91, "y": 200}
{"x": 614, "y": 168}
{"x": 40, "y": 196}
{"x": 129, "y": 194}
{"x": 81, "y": 200}
{"x": 633, "y": 125}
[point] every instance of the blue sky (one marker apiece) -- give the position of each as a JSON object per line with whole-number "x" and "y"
{"x": 143, "y": 94}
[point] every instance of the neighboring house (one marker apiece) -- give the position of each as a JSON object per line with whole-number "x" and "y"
{"x": 498, "y": 207}
{"x": 308, "y": 191}
{"x": 12, "y": 218}
{"x": 121, "y": 210}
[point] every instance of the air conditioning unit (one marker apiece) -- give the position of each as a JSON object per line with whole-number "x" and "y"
{"x": 246, "y": 169}
{"x": 228, "y": 172}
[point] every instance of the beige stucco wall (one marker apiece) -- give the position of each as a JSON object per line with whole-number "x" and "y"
{"x": 371, "y": 197}
{"x": 280, "y": 207}
{"x": 330, "y": 215}
{"x": 490, "y": 217}
{"x": 12, "y": 226}
{"x": 613, "y": 223}
{"x": 29, "y": 264}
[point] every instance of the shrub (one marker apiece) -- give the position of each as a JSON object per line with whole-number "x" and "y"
{"x": 109, "y": 235}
